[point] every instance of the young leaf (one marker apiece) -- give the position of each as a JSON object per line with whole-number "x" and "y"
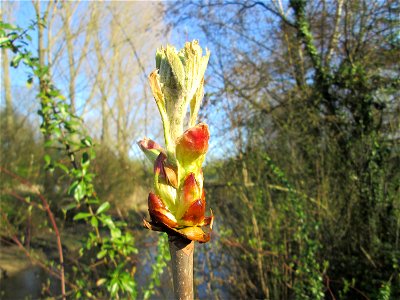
{"x": 15, "y": 61}
{"x": 80, "y": 191}
{"x": 47, "y": 159}
{"x": 94, "y": 221}
{"x": 101, "y": 254}
{"x": 87, "y": 142}
{"x": 69, "y": 206}
{"x": 4, "y": 40}
{"x": 102, "y": 208}
{"x": 62, "y": 167}
{"x": 81, "y": 216}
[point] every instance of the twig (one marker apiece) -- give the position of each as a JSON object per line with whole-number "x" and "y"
{"x": 329, "y": 288}
{"x": 22, "y": 199}
{"x": 32, "y": 259}
{"x": 53, "y": 222}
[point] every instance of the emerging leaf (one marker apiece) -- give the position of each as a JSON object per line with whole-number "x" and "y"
{"x": 150, "y": 148}
{"x": 159, "y": 213}
{"x": 195, "y": 213}
{"x": 178, "y": 204}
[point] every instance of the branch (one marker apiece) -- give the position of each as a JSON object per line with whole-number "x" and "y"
{"x": 335, "y": 35}
{"x": 52, "y": 220}
{"x": 22, "y": 199}
{"x": 322, "y": 75}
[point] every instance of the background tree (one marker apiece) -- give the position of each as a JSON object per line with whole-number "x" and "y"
{"x": 312, "y": 84}
{"x": 304, "y": 119}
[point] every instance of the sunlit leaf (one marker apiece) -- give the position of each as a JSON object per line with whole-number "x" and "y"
{"x": 101, "y": 254}
{"x": 102, "y": 208}
{"x": 81, "y": 216}
{"x": 94, "y": 221}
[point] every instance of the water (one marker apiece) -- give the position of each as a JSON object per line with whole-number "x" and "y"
{"x": 27, "y": 284}
{"x": 25, "y": 281}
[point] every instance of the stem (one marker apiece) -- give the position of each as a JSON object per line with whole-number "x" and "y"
{"x": 181, "y": 250}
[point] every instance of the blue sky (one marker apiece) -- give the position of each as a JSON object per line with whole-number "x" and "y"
{"x": 23, "y": 13}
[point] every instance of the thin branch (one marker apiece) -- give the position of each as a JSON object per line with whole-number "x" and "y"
{"x": 335, "y": 35}
{"x": 24, "y": 200}
{"x": 52, "y": 220}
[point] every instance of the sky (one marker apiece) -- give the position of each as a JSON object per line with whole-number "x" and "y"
{"x": 22, "y": 13}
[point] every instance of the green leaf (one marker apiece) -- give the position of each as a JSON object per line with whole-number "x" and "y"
{"x": 80, "y": 191}
{"x": 47, "y": 159}
{"x": 87, "y": 142}
{"x": 4, "y": 40}
{"x": 69, "y": 206}
{"x": 114, "y": 289}
{"x": 85, "y": 161}
{"x": 93, "y": 201}
{"x": 48, "y": 163}
{"x": 81, "y": 216}
{"x": 102, "y": 208}
{"x": 63, "y": 167}
{"x": 102, "y": 253}
{"x": 115, "y": 233}
{"x": 94, "y": 222}
{"x": 72, "y": 187}
{"x": 127, "y": 284}
{"x": 8, "y": 26}
{"x": 107, "y": 221}
{"x": 57, "y": 132}
{"x": 16, "y": 59}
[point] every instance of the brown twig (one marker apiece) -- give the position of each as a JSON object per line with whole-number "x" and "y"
{"x": 329, "y": 288}
{"x": 29, "y": 256}
{"x": 52, "y": 220}
{"x": 22, "y": 199}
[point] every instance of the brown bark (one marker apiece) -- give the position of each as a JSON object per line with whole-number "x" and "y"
{"x": 181, "y": 250}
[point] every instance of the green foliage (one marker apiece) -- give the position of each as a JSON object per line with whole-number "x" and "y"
{"x": 121, "y": 282}
{"x": 384, "y": 291}
{"x": 309, "y": 284}
{"x": 64, "y": 131}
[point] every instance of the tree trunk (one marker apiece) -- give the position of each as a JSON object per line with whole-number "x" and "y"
{"x": 70, "y": 52}
{"x": 40, "y": 15}
{"x": 9, "y": 125}
{"x": 7, "y": 91}
{"x": 181, "y": 250}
